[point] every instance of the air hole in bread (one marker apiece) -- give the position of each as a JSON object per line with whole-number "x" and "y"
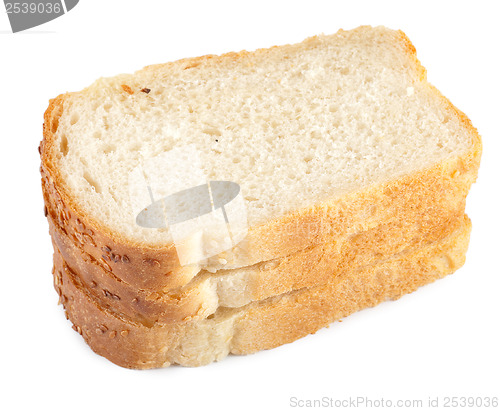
{"x": 74, "y": 119}
{"x": 212, "y": 131}
{"x": 136, "y": 147}
{"x": 92, "y": 182}
{"x": 55, "y": 124}
{"x": 308, "y": 158}
{"x": 64, "y": 145}
{"x": 108, "y": 148}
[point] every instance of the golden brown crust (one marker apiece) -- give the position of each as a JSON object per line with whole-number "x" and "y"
{"x": 260, "y": 325}
{"x": 435, "y": 191}
{"x": 306, "y": 268}
{"x": 145, "y": 268}
{"x": 297, "y": 316}
{"x": 157, "y": 267}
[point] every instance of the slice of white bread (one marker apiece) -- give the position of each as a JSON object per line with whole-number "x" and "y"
{"x": 203, "y": 295}
{"x": 332, "y": 136}
{"x": 258, "y": 325}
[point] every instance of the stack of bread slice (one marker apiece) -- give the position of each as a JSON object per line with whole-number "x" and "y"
{"x": 354, "y": 172}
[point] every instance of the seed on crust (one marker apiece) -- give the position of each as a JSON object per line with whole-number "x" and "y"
{"x": 89, "y": 240}
{"x": 105, "y": 265}
{"x": 151, "y": 262}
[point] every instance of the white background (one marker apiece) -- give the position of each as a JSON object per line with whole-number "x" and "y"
{"x": 440, "y": 341}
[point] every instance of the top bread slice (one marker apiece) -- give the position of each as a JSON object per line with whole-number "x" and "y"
{"x": 337, "y": 134}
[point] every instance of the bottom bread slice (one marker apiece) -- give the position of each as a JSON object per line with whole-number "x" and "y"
{"x": 259, "y": 325}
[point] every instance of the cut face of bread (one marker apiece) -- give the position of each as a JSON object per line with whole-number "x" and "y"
{"x": 258, "y": 325}
{"x": 299, "y": 127}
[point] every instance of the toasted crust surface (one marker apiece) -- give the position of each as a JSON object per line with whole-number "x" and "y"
{"x": 233, "y": 288}
{"x": 439, "y": 191}
{"x": 259, "y": 325}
